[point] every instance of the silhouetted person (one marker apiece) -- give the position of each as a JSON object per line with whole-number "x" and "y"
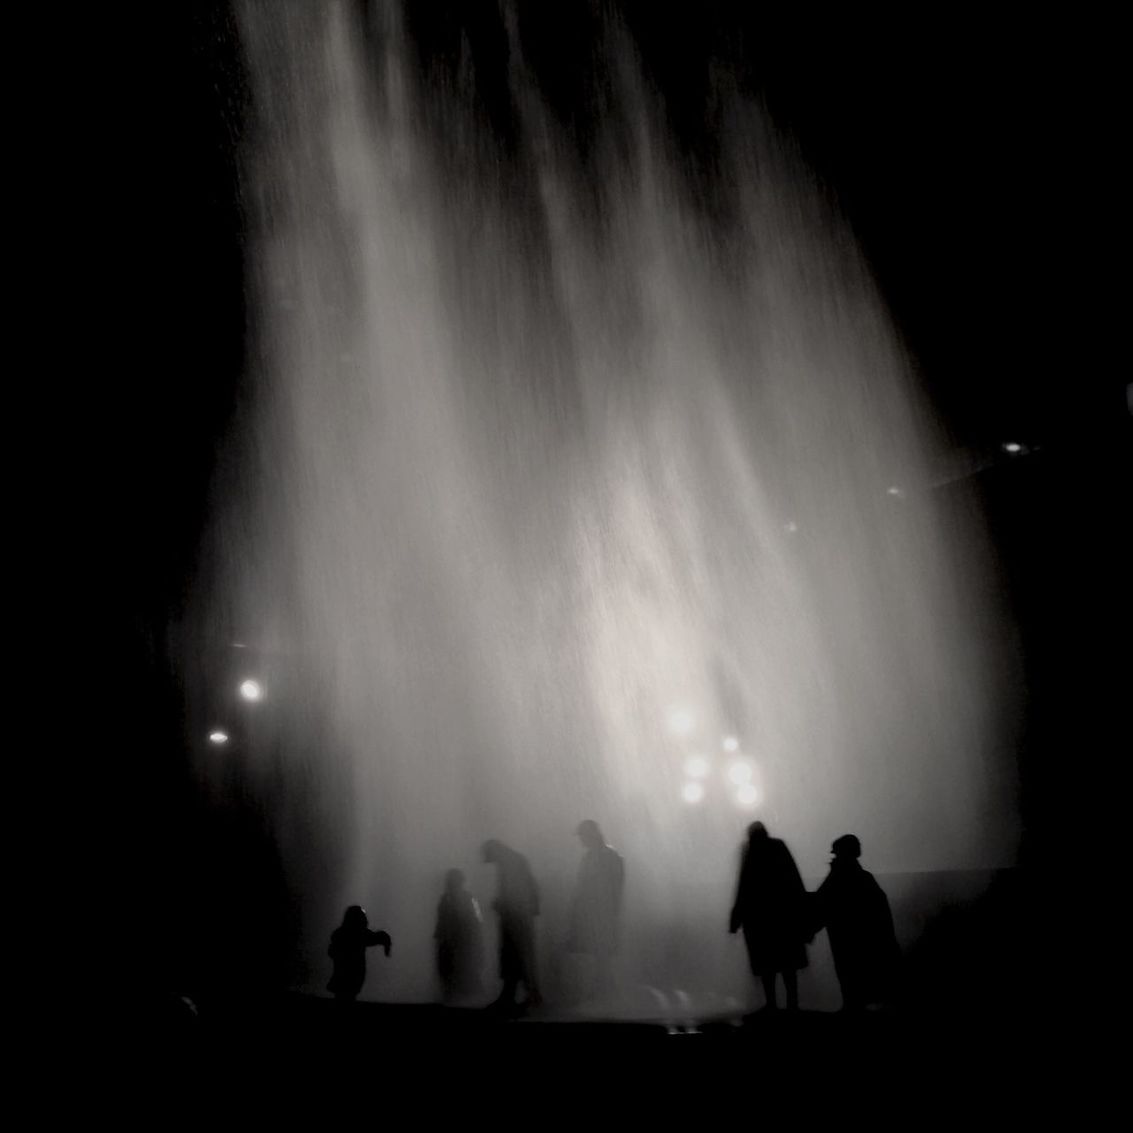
{"x": 348, "y": 944}
{"x": 596, "y": 913}
{"x": 770, "y": 908}
{"x": 854, "y": 910}
{"x": 459, "y": 938}
{"x": 517, "y": 906}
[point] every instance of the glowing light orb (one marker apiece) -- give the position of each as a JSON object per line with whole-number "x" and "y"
{"x": 218, "y": 737}
{"x": 740, "y": 772}
{"x": 893, "y": 490}
{"x": 251, "y": 690}
{"x": 790, "y": 527}
{"x": 731, "y": 743}
{"x": 1013, "y": 447}
{"x": 692, "y": 792}
{"x": 697, "y": 767}
{"x": 681, "y": 721}
{"x": 747, "y": 795}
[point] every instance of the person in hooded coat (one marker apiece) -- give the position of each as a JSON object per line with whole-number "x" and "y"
{"x": 596, "y": 911}
{"x": 517, "y": 906}
{"x": 459, "y": 938}
{"x": 855, "y": 912}
{"x": 770, "y": 907}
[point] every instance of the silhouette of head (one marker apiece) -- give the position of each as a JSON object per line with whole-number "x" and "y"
{"x": 454, "y": 880}
{"x": 757, "y": 832}
{"x": 847, "y": 848}
{"x": 590, "y": 834}
{"x": 355, "y": 918}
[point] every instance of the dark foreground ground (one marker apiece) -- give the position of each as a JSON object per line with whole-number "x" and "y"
{"x": 306, "y": 1060}
{"x": 996, "y": 1021}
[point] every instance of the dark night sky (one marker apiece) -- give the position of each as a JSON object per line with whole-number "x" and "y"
{"x": 974, "y": 156}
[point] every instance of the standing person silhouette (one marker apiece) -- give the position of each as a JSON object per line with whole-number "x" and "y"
{"x": 854, "y": 910}
{"x": 596, "y": 912}
{"x": 348, "y": 944}
{"x": 517, "y": 906}
{"x": 770, "y": 908}
{"x": 459, "y": 938}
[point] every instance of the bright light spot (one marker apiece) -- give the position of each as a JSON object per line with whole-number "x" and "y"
{"x": 740, "y": 772}
{"x": 731, "y": 743}
{"x": 893, "y": 490}
{"x": 252, "y": 690}
{"x": 681, "y": 721}
{"x": 790, "y": 527}
{"x": 239, "y": 645}
{"x": 692, "y": 792}
{"x": 747, "y": 795}
{"x": 697, "y": 767}
{"x": 218, "y": 737}
{"x": 1013, "y": 447}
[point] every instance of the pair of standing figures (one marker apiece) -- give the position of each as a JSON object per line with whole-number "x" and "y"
{"x": 594, "y": 922}
{"x": 779, "y": 918}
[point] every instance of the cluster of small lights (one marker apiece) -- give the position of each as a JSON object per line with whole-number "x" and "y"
{"x": 251, "y": 690}
{"x": 1012, "y": 448}
{"x": 698, "y": 767}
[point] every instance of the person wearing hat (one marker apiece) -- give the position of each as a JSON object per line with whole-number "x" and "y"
{"x": 855, "y": 912}
{"x": 596, "y": 912}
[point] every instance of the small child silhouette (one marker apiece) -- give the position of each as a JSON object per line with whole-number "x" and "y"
{"x": 459, "y": 939}
{"x": 348, "y": 944}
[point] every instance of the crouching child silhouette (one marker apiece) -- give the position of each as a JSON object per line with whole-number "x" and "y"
{"x": 348, "y": 944}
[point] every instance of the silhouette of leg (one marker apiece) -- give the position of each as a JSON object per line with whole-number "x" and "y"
{"x": 527, "y": 959}
{"x": 506, "y": 998}
{"x": 791, "y": 982}
{"x": 768, "y": 980}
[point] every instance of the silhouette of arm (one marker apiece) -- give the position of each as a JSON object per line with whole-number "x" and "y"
{"x": 381, "y": 938}
{"x": 817, "y": 904}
